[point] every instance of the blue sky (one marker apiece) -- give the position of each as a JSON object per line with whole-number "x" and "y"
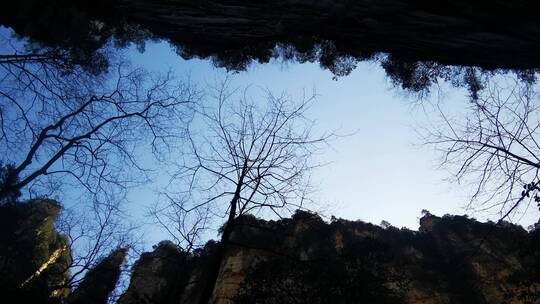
{"x": 382, "y": 171}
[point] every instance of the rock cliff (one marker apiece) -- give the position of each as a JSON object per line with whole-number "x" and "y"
{"x": 33, "y": 255}
{"x": 415, "y": 40}
{"x": 451, "y": 259}
{"x": 35, "y": 259}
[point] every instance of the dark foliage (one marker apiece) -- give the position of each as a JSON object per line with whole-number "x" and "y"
{"x": 70, "y": 33}
{"x": 35, "y": 259}
{"x": 8, "y": 179}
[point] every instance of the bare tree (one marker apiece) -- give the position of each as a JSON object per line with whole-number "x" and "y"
{"x": 92, "y": 232}
{"x": 69, "y": 133}
{"x": 83, "y": 128}
{"x": 187, "y": 226}
{"x": 496, "y": 146}
{"x": 244, "y": 157}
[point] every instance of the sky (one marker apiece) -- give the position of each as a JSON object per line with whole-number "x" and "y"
{"x": 380, "y": 170}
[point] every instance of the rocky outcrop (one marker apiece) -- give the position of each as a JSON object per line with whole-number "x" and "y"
{"x": 158, "y": 276}
{"x": 491, "y": 34}
{"x": 168, "y": 275}
{"x": 451, "y": 259}
{"x": 100, "y": 281}
{"x": 34, "y": 257}
{"x": 487, "y": 34}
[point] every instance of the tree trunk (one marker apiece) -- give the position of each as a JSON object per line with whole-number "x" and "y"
{"x": 213, "y": 275}
{"x": 212, "y": 278}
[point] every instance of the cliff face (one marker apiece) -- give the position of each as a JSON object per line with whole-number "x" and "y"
{"x": 417, "y": 42}
{"x": 302, "y": 259}
{"x": 488, "y": 34}
{"x": 305, "y": 260}
{"x": 159, "y": 276}
{"x": 168, "y": 275}
{"x": 35, "y": 259}
{"x": 33, "y": 255}
{"x": 99, "y": 281}
{"x": 492, "y": 34}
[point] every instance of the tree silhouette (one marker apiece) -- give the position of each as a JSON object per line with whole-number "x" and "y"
{"x": 80, "y": 127}
{"x": 252, "y": 158}
{"x": 495, "y": 147}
